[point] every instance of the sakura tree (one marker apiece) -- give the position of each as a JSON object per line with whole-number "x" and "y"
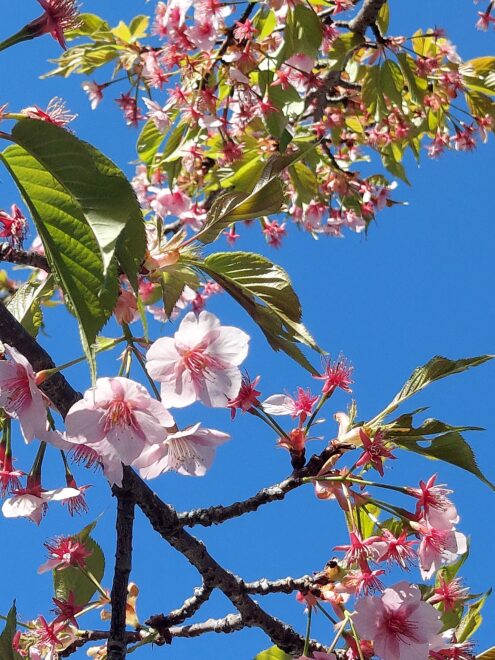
{"x": 251, "y": 119}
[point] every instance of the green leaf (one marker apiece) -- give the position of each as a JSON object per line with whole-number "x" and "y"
{"x": 72, "y": 579}
{"x": 392, "y": 81}
{"x": 479, "y": 74}
{"x": 7, "y": 636}
{"x": 383, "y": 18}
{"x": 88, "y": 24}
{"x": 393, "y": 165}
{"x": 138, "y": 26}
{"x": 366, "y": 524}
{"x": 273, "y": 653}
{"x": 148, "y": 142}
{"x": 265, "y": 22}
{"x": 303, "y": 33}
{"x": 305, "y": 182}
{"x": 70, "y": 245}
{"x": 97, "y": 186}
{"x": 230, "y": 207}
{"x": 407, "y": 66}
{"x": 437, "y": 368}
{"x": 174, "y": 280}
{"x": 341, "y": 50}
{"x": 489, "y": 654}
{"x": 373, "y": 93}
{"x": 449, "y": 447}
{"x": 266, "y": 293}
{"x": 403, "y": 427}
{"x": 472, "y": 620}
{"x": 25, "y": 303}
{"x": 449, "y": 572}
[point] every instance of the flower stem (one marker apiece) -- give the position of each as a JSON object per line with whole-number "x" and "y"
{"x": 92, "y": 578}
{"x": 308, "y": 632}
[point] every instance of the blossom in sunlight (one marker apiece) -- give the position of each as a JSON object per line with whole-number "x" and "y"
{"x": 66, "y": 609}
{"x": 20, "y": 397}
{"x": 438, "y": 546}
{"x": 374, "y": 452}
{"x": 189, "y": 452}
{"x": 247, "y": 397}
{"x": 117, "y": 419}
{"x": 400, "y": 625}
{"x": 56, "y": 113}
{"x": 64, "y": 552}
{"x": 336, "y": 374}
{"x": 126, "y": 310}
{"x": 32, "y": 502}
{"x": 300, "y": 405}
{"x": 200, "y": 362}
{"x": 59, "y": 16}
{"x": 94, "y": 92}
{"x": 14, "y": 226}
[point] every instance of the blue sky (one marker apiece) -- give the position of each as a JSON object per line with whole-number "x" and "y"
{"x": 418, "y": 285}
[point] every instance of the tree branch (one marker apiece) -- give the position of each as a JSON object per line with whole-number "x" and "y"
{"x": 218, "y": 514}
{"x": 305, "y": 584}
{"x": 366, "y": 16}
{"x": 163, "y": 519}
{"x": 189, "y": 607}
{"x": 23, "y": 258}
{"x": 228, "y": 624}
{"x": 117, "y": 646}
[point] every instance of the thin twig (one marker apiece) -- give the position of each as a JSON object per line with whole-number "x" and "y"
{"x": 188, "y": 608}
{"x": 23, "y": 258}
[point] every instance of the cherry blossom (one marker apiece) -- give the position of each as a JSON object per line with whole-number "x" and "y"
{"x": 300, "y": 405}
{"x": 64, "y": 552}
{"x": 438, "y": 546}
{"x": 59, "y": 16}
{"x": 56, "y": 113}
{"x": 399, "y": 623}
{"x": 117, "y": 419}
{"x": 374, "y": 451}
{"x": 200, "y": 362}
{"x": 20, "y": 397}
{"x": 94, "y": 92}
{"x": 32, "y": 502}
{"x": 247, "y": 397}
{"x": 336, "y": 374}
{"x": 189, "y": 452}
{"x": 14, "y": 226}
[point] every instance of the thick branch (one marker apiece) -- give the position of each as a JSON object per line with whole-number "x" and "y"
{"x": 189, "y": 607}
{"x": 23, "y": 258}
{"x": 218, "y": 514}
{"x": 116, "y": 647}
{"x": 366, "y": 16}
{"x": 305, "y": 584}
{"x": 164, "y": 520}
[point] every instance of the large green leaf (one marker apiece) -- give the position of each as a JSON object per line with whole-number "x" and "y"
{"x": 449, "y": 447}
{"x": 479, "y": 74}
{"x": 273, "y": 653}
{"x": 70, "y": 244}
{"x": 174, "y": 279}
{"x": 265, "y": 291}
{"x": 72, "y": 579}
{"x": 7, "y": 636}
{"x": 25, "y": 303}
{"x": 489, "y": 654}
{"x": 303, "y": 33}
{"x": 98, "y": 188}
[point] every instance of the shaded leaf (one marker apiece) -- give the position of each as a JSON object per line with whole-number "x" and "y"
{"x": 265, "y": 291}
{"x": 25, "y": 303}
{"x": 407, "y": 67}
{"x": 149, "y": 141}
{"x": 449, "y": 447}
{"x": 7, "y": 636}
{"x": 173, "y": 281}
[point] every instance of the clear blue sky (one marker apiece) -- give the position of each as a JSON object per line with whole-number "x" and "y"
{"x": 419, "y": 285}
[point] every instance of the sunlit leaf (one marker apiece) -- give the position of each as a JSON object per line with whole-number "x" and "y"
{"x": 273, "y": 653}
{"x": 472, "y": 620}
{"x": 7, "y": 636}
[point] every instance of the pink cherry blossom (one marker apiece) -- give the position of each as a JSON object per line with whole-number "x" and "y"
{"x": 126, "y": 310}
{"x": 94, "y": 92}
{"x": 300, "y": 405}
{"x": 247, "y": 397}
{"x": 336, "y": 374}
{"x": 64, "y": 552}
{"x": 20, "y": 396}
{"x": 32, "y": 502}
{"x": 360, "y": 549}
{"x": 14, "y": 226}
{"x": 118, "y": 419}
{"x": 56, "y": 113}
{"x": 200, "y": 362}
{"x": 399, "y": 623}
{"x": 59, "y": 16}
{"x": 374, "y": 452}
{"x": 189, "y": 452}
{"x": 438, "y": 546}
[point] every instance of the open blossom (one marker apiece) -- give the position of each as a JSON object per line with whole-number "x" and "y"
{"x": 200, "y": 362}
{"x": 247, "y": 397}
{"x": 126, "y": 310}
{"x": 189, "y": 452}
{"x": 400, "y": 625}
{"x": 336, "y": 374}
{"x": 59, "y": 16}
{"x": 94, "y": 92}
{"x": 300, "y": 405}
{"x": 64, "y": 552}
{"x": 374, "y": 451}
{"x": 20, "y": 397}
{"x": 438, "y": 547}
{"x": 117, "y": 419}
{"x": 32, "y": 502}
{"x": 56, "y": 113}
